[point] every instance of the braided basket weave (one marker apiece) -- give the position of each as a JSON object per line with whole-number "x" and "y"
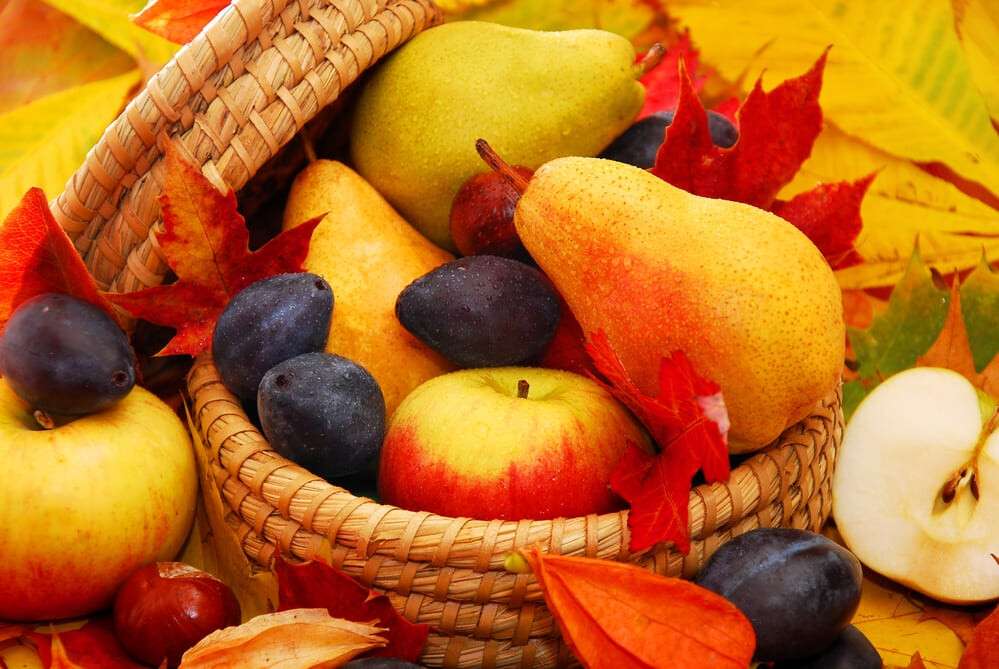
{"x": 231, "y": 99}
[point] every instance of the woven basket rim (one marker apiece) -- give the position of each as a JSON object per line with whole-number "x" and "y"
{"x": 204, "y": 373}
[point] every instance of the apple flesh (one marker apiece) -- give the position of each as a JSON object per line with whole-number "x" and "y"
{"x": 86, "y": 503}
{"x": 507, "y": 442}
{"x": 916, "y": 490}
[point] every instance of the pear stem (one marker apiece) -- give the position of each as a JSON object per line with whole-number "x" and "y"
{"x": 523, "y": 387}
{"x": 651, "y": 58}
{"x": 500, "y": 166}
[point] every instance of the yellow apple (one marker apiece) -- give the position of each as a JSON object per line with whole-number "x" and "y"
{"x": 84, "y": 504}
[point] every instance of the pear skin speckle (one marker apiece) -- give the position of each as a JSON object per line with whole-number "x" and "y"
{"x": 742, "y": 292}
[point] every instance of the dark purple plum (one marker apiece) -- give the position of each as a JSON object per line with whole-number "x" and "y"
{"x": 638, "y": 144}
{"x": 798, "y": 589}
{"x": 268, "y": 322}
{"x": 324, "y": 412}
{"x": 65, "y": 356}
{"x": 481, "y": 311}
{"x": 851, "y": 650}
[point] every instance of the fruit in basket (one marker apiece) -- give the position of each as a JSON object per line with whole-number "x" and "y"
{"x": 639, "y": 144}
{"x": 506, "y": 442}
{"x": 743, "y": 293}
{"x": 368, "y": 253}
{"x": 481, "y": 311}
{"x": 482, "y": 216}
{"x": 324, "y": 412}
{"x": 84, "y": 504}
{"x": 165, "y": 608}
{"x": 268, "y": 322}
{"x": 798, "y": 589}
{"x": 851, "y": 650}
{"x": 65, "y": 356}
{"x": 915, "y": 493}
{"x": 380, "y": 663}
{"x": 534, "y": 95}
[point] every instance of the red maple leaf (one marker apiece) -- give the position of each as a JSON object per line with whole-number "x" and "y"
{"x": 829, "y": 215}
{"x": 983, "y": 651}
{"x": 318, "y": 585}
{"x": 776, "y": 133}
{"x": 178, "y": 20}
{"x": 206, "y": 243}
{"x": 36, "y": 256}
{"x": 688, "y": 421}
{"x": 662, "y": 82}
{"x": 567, "y": 349}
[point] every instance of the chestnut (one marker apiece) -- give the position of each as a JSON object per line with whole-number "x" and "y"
{"x": 165, "y": 608}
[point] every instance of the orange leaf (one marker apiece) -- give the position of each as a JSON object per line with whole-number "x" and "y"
{"x": 60, "y": 660}
{"x": 983, "y": 651}
{"x": 299, "y": 637}
{"x": 916, "y": 662}
{"x": 92, "y": 646}
{"x": 206, "y": 243}
{"x": 620, "y": 616}
{"x": 317, "y": 584}
{"x": 37, "y": 257}
{"x": 178, "y": 20}
{"x": 952, "y": 350}
{"x": 960, "y": 621}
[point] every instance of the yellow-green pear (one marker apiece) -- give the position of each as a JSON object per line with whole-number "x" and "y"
{"x": 533, "y": 95}
{"x": 368, "y": 254}
{"x": 742, "y": 292}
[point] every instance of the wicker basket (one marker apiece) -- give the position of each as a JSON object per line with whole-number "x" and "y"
{"x": 231, "y": 99}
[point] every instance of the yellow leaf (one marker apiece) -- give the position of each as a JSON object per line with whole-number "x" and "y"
{"x": 893, "y": 623}
{"x": 977, "y": 24}
{"x": 45, "y": 51}
{"x": 897, "y": 76}
{"x": 20, "y": 657}
{"x": 295, "y": 639}
{"x": 43, "y": 143}
{"x": 903, "y": 202}
{"x": 111, "y": 19}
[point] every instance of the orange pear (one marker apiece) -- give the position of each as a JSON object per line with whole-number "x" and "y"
{"x": 742, "y": 292}
{"x": 368, "y": 253}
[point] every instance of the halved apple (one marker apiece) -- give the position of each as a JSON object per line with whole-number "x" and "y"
{"x": 916, "y": 490}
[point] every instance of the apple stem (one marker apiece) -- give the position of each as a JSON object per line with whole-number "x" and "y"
{"x": 44, "y": 419}
{"x": 500, "y": 166}
{"x": 523, "y": 387}
{"x": 651, "y": 58}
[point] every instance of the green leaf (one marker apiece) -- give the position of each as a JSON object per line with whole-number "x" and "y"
{"x": 906, "y": 330}
{"x": 853, "y": 392}
{"x": 980, "y": 305}
{"x": 111, "y": 20}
